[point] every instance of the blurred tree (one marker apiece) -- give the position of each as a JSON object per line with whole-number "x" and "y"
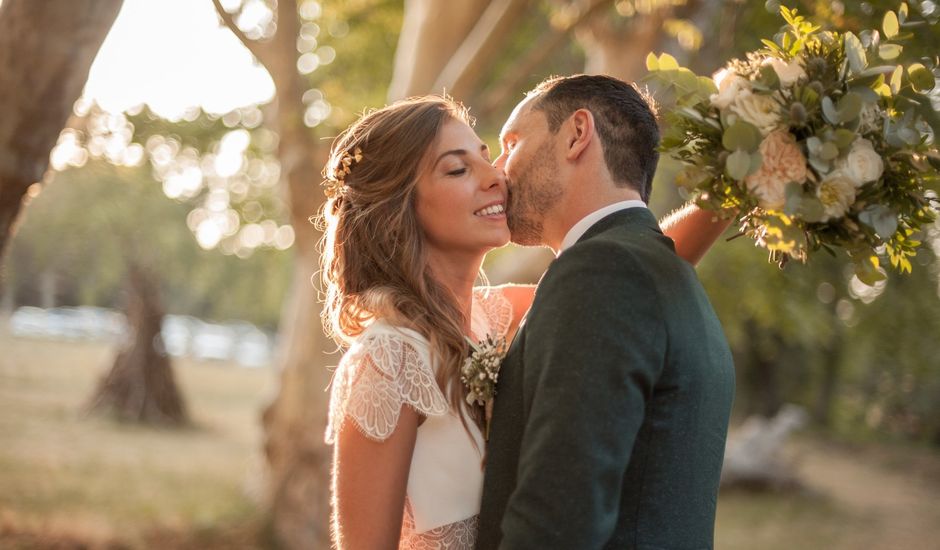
{"x": 85, "y": 251}
{"x": 140, "y": 386}
{"x": 46, "y": 50}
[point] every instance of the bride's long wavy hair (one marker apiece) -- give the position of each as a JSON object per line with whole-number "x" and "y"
{"x": 373, "y": 252}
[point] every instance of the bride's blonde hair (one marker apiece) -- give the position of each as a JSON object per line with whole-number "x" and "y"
{"x": 374, "y": 257}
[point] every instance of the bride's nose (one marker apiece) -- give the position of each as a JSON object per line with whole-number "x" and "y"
{"x": 495, "y": 178}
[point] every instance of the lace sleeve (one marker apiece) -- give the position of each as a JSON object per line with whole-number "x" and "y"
{"x": 490, "y": 306}
{"x": 377, "y": 375}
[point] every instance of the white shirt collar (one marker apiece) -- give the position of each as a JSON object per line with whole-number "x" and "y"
{"x": 578, "y": 229}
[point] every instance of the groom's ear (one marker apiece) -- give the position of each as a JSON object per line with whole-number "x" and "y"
{"x": 579, "y": 129}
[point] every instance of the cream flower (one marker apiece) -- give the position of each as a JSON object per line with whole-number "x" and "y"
{"x": 788, "y": 72}
{"x": 730, "y": 84}
{"x": 837, "y": 194}
{"x": 863, "y": 164}
{"x": 758, "y": 109}
{"x": 782, "y": 162}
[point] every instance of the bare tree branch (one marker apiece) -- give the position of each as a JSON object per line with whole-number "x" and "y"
{"x": 468, "y": 64}
{"x": 259, "y": 49}
{"x": 546, "y": 46}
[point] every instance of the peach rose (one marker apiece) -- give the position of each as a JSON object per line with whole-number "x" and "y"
{"x": 781, "y": 162}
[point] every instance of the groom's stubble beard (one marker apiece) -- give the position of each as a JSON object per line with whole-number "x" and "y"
{"x": 533, "y": 192}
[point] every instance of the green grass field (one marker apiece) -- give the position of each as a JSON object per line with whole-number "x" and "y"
{"x": 70, "y": 481}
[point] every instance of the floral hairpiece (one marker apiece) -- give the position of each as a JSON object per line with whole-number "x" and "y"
{"x": 335, "y": 184}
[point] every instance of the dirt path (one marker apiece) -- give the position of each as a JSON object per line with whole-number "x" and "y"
{"x": 896, "y": 499}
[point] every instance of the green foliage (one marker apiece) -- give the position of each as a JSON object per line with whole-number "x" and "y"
{"x": 821, "y": 90}
{"x": 130, "y": 219}
{"x": 792, "y": 329}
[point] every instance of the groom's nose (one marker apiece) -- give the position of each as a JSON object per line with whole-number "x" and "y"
{"x": 500, "y": 162}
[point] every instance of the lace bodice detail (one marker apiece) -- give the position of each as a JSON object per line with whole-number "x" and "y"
{"x": 386, "y": 368}
{"x": 459, "y": 535}
{"x": 492, "y": 311}
{"x": 390, "y": 366}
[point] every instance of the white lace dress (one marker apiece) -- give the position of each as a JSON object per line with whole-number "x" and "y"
{"x": 389, "y": 366}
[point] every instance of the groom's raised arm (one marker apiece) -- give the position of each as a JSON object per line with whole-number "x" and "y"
{"x": 595, "y": 342}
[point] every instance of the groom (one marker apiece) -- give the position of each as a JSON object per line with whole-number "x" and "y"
{"x": 610, "y": 423}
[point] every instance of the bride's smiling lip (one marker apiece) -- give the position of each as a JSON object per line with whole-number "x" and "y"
{"x": 495, "y": 208}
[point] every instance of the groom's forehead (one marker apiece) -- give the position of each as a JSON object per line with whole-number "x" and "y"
{"x": 523, "y": 110}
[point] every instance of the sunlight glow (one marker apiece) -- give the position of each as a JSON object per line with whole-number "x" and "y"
{"x": 173, "y": 55}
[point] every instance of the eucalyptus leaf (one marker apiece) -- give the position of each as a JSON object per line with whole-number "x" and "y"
{"x": 902, "y": 13}
{"x": 768, "y": 77}
{"x": 896, "y": 79}
{"x": 830, "y": 113}
{"x": 668, "y": 63}
{"x": 850, "y": 106}
{"x": 741, "y": 135}
{"x": 819, "y": 165}
{"x": 875, "y": 71}
{"x": 690, "y": 177}
{"x": 880, "y": 218}
{"x": 707, "y": 86}
{"x": 890, "y": 25}
{"x": 855, "y": 53}
{"x": 843, "y": 138}
{"x": 773, "y": 6}
{"x": 692, "y": 113}
{"x": 794, "y": 196}
{"x": 889, "y": 51}
{"x": 908, "y": 135}
{"x": 812, "y": 209}
{"x": 652, "y": 63}
{"x": 829, "y": 151}
{"x": 756, "y": 160}
{"x": 738, "y": 164}
{"x": 921, "y": 78}
{"x": 813, "y": 145}
{"x": 868, "y": 273}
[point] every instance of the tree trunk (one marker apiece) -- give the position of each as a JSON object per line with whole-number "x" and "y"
{"x": 760, "y": 381}
{"x": 140, "y": 386}
{"x": 431, "y": 34}
{"x": 832, "y": 359}
{"x": 620, "y": 52}
{"x": 298, "y": 459}
{"x": 46, "y": 50}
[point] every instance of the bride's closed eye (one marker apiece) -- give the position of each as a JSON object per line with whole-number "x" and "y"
{"x": 457, "y": 172}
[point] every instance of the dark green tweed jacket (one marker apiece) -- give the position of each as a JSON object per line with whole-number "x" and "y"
{"x": 613, "y": 402}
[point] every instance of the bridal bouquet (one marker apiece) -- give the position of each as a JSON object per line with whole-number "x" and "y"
{"x": 813, "y": 142}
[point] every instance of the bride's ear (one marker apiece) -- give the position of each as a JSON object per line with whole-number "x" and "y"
{"x": 579, "y": 130}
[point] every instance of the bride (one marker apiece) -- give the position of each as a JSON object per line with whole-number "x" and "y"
{"x": 414, "y": 204}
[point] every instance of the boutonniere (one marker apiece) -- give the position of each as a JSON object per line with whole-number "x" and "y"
{"x": 479, "y": 374}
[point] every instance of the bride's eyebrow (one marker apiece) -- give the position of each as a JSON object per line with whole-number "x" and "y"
{"x": 484, "y": 148}
{"x": 455, "y": 152}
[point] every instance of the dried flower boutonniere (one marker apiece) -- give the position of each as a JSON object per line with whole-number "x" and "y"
{"x": 480, "y": 372}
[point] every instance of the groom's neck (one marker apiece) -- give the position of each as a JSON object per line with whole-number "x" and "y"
{"x": 581, "y": 200}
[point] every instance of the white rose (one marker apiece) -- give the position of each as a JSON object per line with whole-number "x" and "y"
{"x": 862, "y": 163}
{"x": 729, "y": 86}
{"x": 837, "y": 194}
{"x": 787, "y": 72}
{"x": 758, "y": 109}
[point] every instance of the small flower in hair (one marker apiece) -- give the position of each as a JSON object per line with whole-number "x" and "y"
{"x": 335, "y": 184}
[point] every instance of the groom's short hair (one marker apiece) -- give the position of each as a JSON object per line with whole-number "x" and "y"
{"x": 623, "y": 117}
